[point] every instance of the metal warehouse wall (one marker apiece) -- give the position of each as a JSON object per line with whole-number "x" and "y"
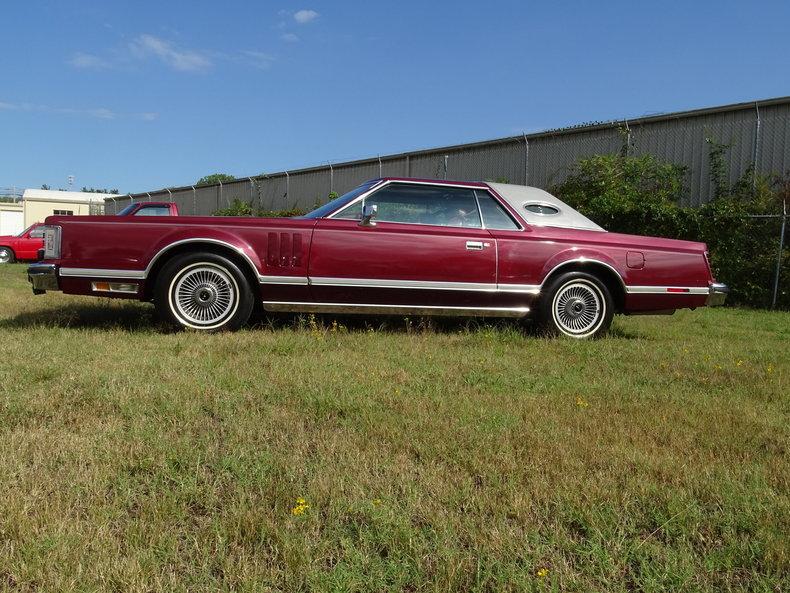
{"x": 758, "y": 133}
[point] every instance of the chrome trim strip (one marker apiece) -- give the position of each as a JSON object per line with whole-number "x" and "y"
{"x": 291, "y": 280}
{"x": 415, "y": 284}
{"x": 101, "y": 273}
{"x": 673, "y": 290}
{"x": 424, "y": 285}
{"x": 143, "y": 274}
{"x": 366, "y": 308}
{"x": 200, "y": 240}
{"x": 525, "y": 288}
{"x": 379, "y": 186}
{"x": 583, "y": 260}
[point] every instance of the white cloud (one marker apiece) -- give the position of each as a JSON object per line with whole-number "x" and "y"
{"x": 183, "y": 60}
{"x": 258, "y": 59}
{"x": 147, "y": 47}
{"x": 88, "y": 61}
{"x": 305, "y": 16}
{"x": 96, "y": 112}
{"x": 289, "y": 37}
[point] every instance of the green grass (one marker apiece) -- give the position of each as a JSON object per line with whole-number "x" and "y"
{"x": 433, "y": 456}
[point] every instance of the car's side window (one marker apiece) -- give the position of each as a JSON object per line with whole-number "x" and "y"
{"x": 421, "y": 204}
{"x": 494, "y": 215}
{"x": 153, "y": 211}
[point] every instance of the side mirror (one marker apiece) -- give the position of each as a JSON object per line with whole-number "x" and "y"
{"x": 368, "y": 212}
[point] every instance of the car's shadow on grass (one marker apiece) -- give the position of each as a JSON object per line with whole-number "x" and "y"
{"x": 133, "y": 317}
{"x": 139, "y": 317}
{"x": 401, "y": 324}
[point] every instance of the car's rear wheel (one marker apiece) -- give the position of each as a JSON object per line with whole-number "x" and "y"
{"x": 6, "y": 255}
{"x": 203, "y": 291}
{"x": 576, "y": 304}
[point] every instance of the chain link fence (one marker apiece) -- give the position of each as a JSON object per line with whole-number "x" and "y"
{"x": 757, "y": 133}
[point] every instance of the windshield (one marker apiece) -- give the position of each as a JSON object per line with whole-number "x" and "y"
{"x": 27, "y": 229}
{"x": 330, "y": 207}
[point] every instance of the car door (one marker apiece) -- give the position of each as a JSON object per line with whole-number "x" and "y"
{"x": 29, "y": 243}
{"x": 426, "y": 248}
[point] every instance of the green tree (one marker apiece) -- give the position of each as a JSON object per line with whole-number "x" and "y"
{"x": 96, "y": 190}
{"x": 215, "y": 178}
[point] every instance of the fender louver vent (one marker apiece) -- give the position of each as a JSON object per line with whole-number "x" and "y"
{"x": 284, "y": 250}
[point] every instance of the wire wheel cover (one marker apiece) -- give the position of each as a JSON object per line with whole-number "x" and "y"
{"x": 204, "y": 295}
{"x": 5, "y": 255}
{"x": 578, "y": 308}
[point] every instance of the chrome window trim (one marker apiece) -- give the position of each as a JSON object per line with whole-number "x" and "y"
{"x": 381, "y": 186}
{"x": 372, "y": 308}
{"x": 508, "y": 213}
{"x": 543, "y": 205}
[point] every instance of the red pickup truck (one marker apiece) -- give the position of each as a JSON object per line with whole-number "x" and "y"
{"x": 392, "y": 245}
{"x": 23, "y": 246}
{"x": 150, "y": 209}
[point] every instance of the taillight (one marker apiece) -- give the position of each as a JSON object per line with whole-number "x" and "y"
{"x": 52, "y": 242}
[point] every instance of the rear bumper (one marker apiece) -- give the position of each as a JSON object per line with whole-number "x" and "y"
{"x": 717, "y": 295}
{"x": 43, "y": 277}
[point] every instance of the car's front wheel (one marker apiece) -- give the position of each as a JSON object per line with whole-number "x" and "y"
{"x": 203, "y": 291}
{"x": 6, "y": 255}
{"x": 576, "y": 304}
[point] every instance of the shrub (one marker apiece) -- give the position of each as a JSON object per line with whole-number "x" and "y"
{"x": 241, "y": 208}
{"x": 641, "y": 195}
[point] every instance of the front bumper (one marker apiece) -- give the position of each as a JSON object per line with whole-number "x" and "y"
{"x": 717, "y": 295}
{"x": 43, "y": 277}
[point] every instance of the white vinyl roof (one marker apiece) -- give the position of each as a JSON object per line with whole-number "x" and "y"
{"x": 558, "y": 213}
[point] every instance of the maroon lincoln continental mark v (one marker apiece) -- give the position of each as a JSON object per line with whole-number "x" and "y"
{"x": 390, "y": 246}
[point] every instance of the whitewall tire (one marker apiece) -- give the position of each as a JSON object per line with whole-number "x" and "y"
{"x": 577, "y": 305}
{"x": 203, "y": 291}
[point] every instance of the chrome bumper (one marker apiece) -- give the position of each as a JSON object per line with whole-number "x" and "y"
{"x": 43, "y": 277}
{"x": 717, "y": 295}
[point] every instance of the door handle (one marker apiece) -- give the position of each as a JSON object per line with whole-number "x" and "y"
{"x": 474, "y": 245}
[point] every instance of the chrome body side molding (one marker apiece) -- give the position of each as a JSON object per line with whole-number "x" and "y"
{"x": 403, "y": 284}
{"x": 678, "y": 290}
{"x": 378, "y": 309}
{"x": 290, "y": 280}
{"x": 101, "y": 273}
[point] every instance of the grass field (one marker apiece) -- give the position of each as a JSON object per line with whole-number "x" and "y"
{"x": 318, "y": 455}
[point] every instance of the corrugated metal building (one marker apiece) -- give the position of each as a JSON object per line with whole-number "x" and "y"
{"x": 758, "y": 132}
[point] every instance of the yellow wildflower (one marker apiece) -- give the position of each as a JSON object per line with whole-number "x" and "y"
{"x": 542, "y": 572}
{"x": 739, "y": 363}
{"x": 581, "y": 402}
{"x": 300, "y": 507}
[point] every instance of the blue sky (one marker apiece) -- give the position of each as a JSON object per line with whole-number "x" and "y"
{"x": 140, "y": 95}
